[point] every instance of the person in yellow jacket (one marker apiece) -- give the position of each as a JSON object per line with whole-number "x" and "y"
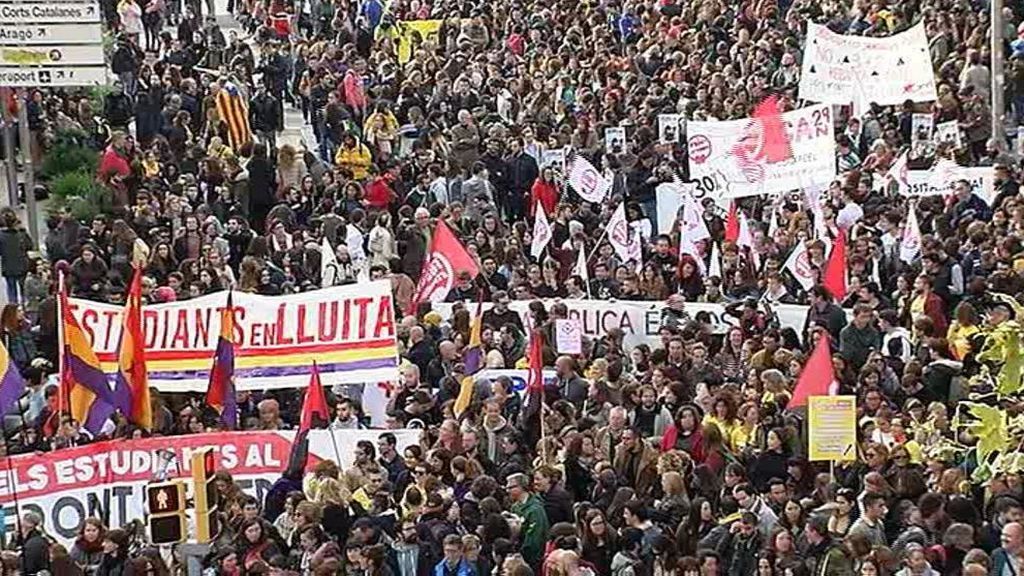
{"x": 962, "y": 329}
{"x": 355, "y": 156}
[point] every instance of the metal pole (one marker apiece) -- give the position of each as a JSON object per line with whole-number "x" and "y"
{"x": 998, "y": 106}
{"x": 30, "y": 177}
{"x": 9, "y": 161}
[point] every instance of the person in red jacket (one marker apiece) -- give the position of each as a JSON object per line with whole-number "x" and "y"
{"x": 378, "y": 194}
{"x": 114, "y": 167}
{"x": 545, "y": 192}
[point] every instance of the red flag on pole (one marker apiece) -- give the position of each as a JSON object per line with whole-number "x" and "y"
{"x": 535, "y": 375}
{"x": 732, "y": 224}
{"x": 314, "y": 405}
{"x": 834, "y": 277}
{"x": 776, "y": 142}
{"x": 447, "y": 259}
{"x": 817, "y": 378}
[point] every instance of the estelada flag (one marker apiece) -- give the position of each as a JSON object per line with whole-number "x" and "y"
{"x": 817, "y": 378}
{"x": 446, "y": 260}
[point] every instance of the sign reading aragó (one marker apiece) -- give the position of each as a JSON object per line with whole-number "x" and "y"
{"x": 348, "y": 330}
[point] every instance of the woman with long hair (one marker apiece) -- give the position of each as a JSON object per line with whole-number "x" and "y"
{"x": 843, "y": 514}
{"x": 732, "y": 359}
{"x": 161, "y": 263}
{"x": 253, "y": 544}
{"x": 291, "y": 169}
{"x": 599, "y": 541}
{"x": 697, "y": 524}
{"x": 87, "y": 551}
{"x": 17, "y": 336}
{"x": 772, "y": 462}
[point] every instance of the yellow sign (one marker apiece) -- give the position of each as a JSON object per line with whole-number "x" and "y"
{"x": 832, "y": 428}
{"x": 413, "y": 33}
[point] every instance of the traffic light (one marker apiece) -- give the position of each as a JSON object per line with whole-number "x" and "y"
{"x": 166, "y": 505}
{"x": 206, "y": 497}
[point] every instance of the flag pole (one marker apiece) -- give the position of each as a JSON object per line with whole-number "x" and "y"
{"x": 63, "y": 402}
{"x": 334, "y": 441}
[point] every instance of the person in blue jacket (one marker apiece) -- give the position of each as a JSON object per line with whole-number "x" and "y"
{"x": 453, "y": 563}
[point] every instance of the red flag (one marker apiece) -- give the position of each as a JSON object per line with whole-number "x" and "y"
{"x": 535, "y": 376}
{"x": 817, "y": 378}
{"x": 447, "y": 259}
{"x": 314, "y": 405}
{"x": 732, "y": 224}
{"x": 834, "y": 277}
{"x": 776, "y": 147}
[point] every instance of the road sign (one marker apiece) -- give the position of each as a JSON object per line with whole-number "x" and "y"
{"x": 59, "y": 55}
{"x": 52, "y": 76}
{"x": 52, "y": 12}
{"x": 34, "y": 34}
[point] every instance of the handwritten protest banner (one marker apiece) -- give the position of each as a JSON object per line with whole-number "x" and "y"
{"x": 844, "y": 69}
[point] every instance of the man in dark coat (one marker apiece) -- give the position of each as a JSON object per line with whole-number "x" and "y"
{"x": 35, "y": 548}
{"x": 261, "y": 187}
{"x": 266, "y": 116}
{"x": 557, "y": 501}
{"x": 522, "y": 172}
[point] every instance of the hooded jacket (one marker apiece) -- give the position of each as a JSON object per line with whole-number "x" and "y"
{"x": 356, "y": 159}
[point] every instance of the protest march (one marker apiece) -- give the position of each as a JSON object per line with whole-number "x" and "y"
{"x": 512, "y": 288}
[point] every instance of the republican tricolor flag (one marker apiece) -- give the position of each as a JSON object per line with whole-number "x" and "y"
{"x": 132, "y": 378}
{"x": 220, "y": 394}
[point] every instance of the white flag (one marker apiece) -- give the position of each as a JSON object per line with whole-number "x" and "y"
{"x": 635, "y": 251}
{"x": 773, "y": 221}
{"x": 363, "y": 271}
{"x": 588, "y": 182}
{"x": 619, "y": 234}
{"x": 910, "y": 244}
{"x": 688, "y": 248}
{"x": 799, "y": 265}
{"x": 692, "y": 225}
{"x": 898, "y": 172}
{"x": 580, "y": 269}
{"x": 715, "y": 267}
{"x": 328, "y": 264}
{"x": 541, "y": 231}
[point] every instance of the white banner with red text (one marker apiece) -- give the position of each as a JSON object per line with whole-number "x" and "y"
{"x": 731, "y": 160}
{"x": 108, "y": 479}
{"x": 348, "y": 330}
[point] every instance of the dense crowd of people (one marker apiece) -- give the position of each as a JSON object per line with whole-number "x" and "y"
{"x": 677, "y": 457}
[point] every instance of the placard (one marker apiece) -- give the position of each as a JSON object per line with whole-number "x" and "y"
{"x": 671, "y": 128}
{"x": 615, "y": 140}
{"x": 832, "y": 428}
{"x": 568, "y": 336}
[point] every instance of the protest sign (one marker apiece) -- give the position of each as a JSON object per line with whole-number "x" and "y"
{"x": 832, "y": 428}
{"x": 948, "y": 133}
{"x": 412, "y": 33}
{"x": 568, "y": 336}
{"x": 615, "y": 140}
{"x": 671, "y": 128}
{"x": 927, "y": 182}
{"x": 348, "y": 330}
{"x": 640, "y": 321}
{"x": 732, "y": 154}
{"x": 844, "y": 69}
{"x": 921, "y": 126}
{"x": 108, "y": 479}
